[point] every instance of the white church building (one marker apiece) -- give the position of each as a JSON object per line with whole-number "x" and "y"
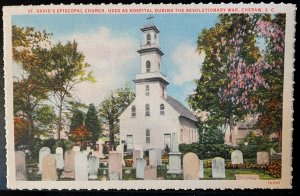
{"x": 153, "y": 116}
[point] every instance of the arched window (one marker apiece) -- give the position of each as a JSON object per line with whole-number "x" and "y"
{"x": 163, "y": 91}
{"x": 148, "y": 66}
{"x": 162, "y": 109}
{"x": 147, "y": 136}
{"x": 147, "y": 92}
{"x": 158, "y": 66}
{"x": 133, "y": 111}
{"x": 148, "y": 39}
{"x": 147, "y": 110}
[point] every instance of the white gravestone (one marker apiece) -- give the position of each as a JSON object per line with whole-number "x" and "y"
{"x": 201, "y": 169}
{"x": 120, "y": 149}
{"x": 43, "y": 152}
{"x": 262, "y": 158}
{"x": 140, "y": 168}
{"x": 141, "y": 149}
{"x": 190, "y": 166}
{"x": 218, "y": 168}
{"x": 81, "y": 166}
{"x": 101, "y": 155}
{"x": 237, "y": 157}
{"x": 135, "y": 155}
{"x": 59, "y": 157}
{"x": 174, "y": 157}
{"x": 93, "y": 167}
{"x": 20, "y": 161}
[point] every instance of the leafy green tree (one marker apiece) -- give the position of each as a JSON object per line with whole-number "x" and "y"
{"x": 77, "y": 119}
{"x": 28, "y": 48}
{"x": 112, "y": 107}
{"x": 66, "y": 69}
{"x": 92, "y": 123}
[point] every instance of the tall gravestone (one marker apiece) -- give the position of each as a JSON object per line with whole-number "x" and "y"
{"x": 59, "y": 157}
{"x": 115, "y": 165}
{"x": 20, "y": 161}
{"x": 218, "y": 167}
{"x": 135, "y": 155}
{"x": 49, "y": 168}
{"x": 201, "y": 169}
{"x": 237, "y": 157}
{"x": 93, "y": 167}
{"x": 43, "y": 152}
{"x": 190, "y": 166}
{"x": 120, "y": 149}
{"x": 262, "y": 158}
{"x": 76, "y": 149}
{"x": 69, "y": 165}
{"x": 174, "y": 157}
{"x": 141, "y": 150}
{"x": 81, "y": 166}
{"x": 140, "y": 168}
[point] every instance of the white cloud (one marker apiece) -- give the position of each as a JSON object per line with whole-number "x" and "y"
{"x": 112, "y": 59}
{"x": 188, "y": 62}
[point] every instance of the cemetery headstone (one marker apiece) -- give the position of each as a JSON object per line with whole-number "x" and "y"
{"x": 174, "y": 157}
{"x": 93, "y": 167}
{"x": 140, "y": 168}
{"x": 262, "y": 158}
{"x": 237, "y": 157}
{"x": 49, "y": 168}
{"x": 20, "y": 161}
{"x": 201, "y": 169}
{"x": 76, "y": 148}
{"x": 43, "y": 152}
{"x": 59, "y": 157}
{"x": 190, "y": 166}
{"x": 81, "y": 166}
{"x": 115, "y": 165}
{"x": 218, "y": 168}
{"x": 69, "y": 165}
{"x": 135, "y": 155}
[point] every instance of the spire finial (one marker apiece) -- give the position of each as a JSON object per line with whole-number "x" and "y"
{"x": 150, "y": 19}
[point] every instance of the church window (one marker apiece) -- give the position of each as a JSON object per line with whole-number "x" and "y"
{"x": 148, "y": 39}
{"x": 159, "y": 66}
{"x": 163, "y": 91}
{"x": 147, "y": 136}
{"x": 162, "y": 109}
{"x": 133, "y": 111}
{"x": 148, "y": 66}
{"x": 147, "y": 110}
{"x": 147, "y": 93}
{"x": 155, "y": 36}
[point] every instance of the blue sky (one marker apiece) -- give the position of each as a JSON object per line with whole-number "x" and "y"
{"x": 110, "y": 42}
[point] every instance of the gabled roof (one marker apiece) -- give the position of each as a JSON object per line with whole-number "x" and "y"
{"x": 181, "y": 109}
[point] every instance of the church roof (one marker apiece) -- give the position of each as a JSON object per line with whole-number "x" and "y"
{"x": 181, "y": 109}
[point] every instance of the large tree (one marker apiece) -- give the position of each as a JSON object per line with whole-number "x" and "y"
{"x": 29, "y": 87}
{"x": 112, "y": 107}
{"x": 92, "y": 123}
{"x": 234, "y": 68}
{"x": 66, "y": 69}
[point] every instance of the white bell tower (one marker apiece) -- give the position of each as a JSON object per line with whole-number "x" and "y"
{"x": 150, "y": 81}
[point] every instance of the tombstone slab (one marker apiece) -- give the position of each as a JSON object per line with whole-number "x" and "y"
{"x": 135, "y": 155}
{"x": 150, "y": 173}
{"x": 262, "y": 158}
{"x": 76, "y": 149}
{"x": 20, "y": 161}
{"x": 201, "y": 169}
{"x": 59, "y": 158}
{"x": 69, "y": 165}
{"x": 93, "y": 167}
{"x": 43, "y": 152}
{"x": 190, "y": 166}
{"x": 120, "y": 149}
{"x": 218, "y": 168}
{"x": 246, "y": 177}
{"x": 115, "y": 165}
{"x": 81, "y": 166}
{"x": 49, "y": 168}
{"x": 140, "y": 168}
{"x": 175, "y": 163}
{"x": 237, "y": 157}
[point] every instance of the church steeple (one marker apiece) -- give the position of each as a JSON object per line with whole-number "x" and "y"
{"x": 150, "y": 59}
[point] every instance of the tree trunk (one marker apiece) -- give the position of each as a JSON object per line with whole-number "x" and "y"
{"x": 232, "y": 134}
{"x": 111, "y": 135}
{"x": 59, "y": 120}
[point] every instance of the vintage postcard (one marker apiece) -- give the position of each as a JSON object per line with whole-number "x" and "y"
{"x": 145, "y": 96}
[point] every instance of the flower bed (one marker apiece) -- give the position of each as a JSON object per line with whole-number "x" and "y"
{"x": 274, "y": 168}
